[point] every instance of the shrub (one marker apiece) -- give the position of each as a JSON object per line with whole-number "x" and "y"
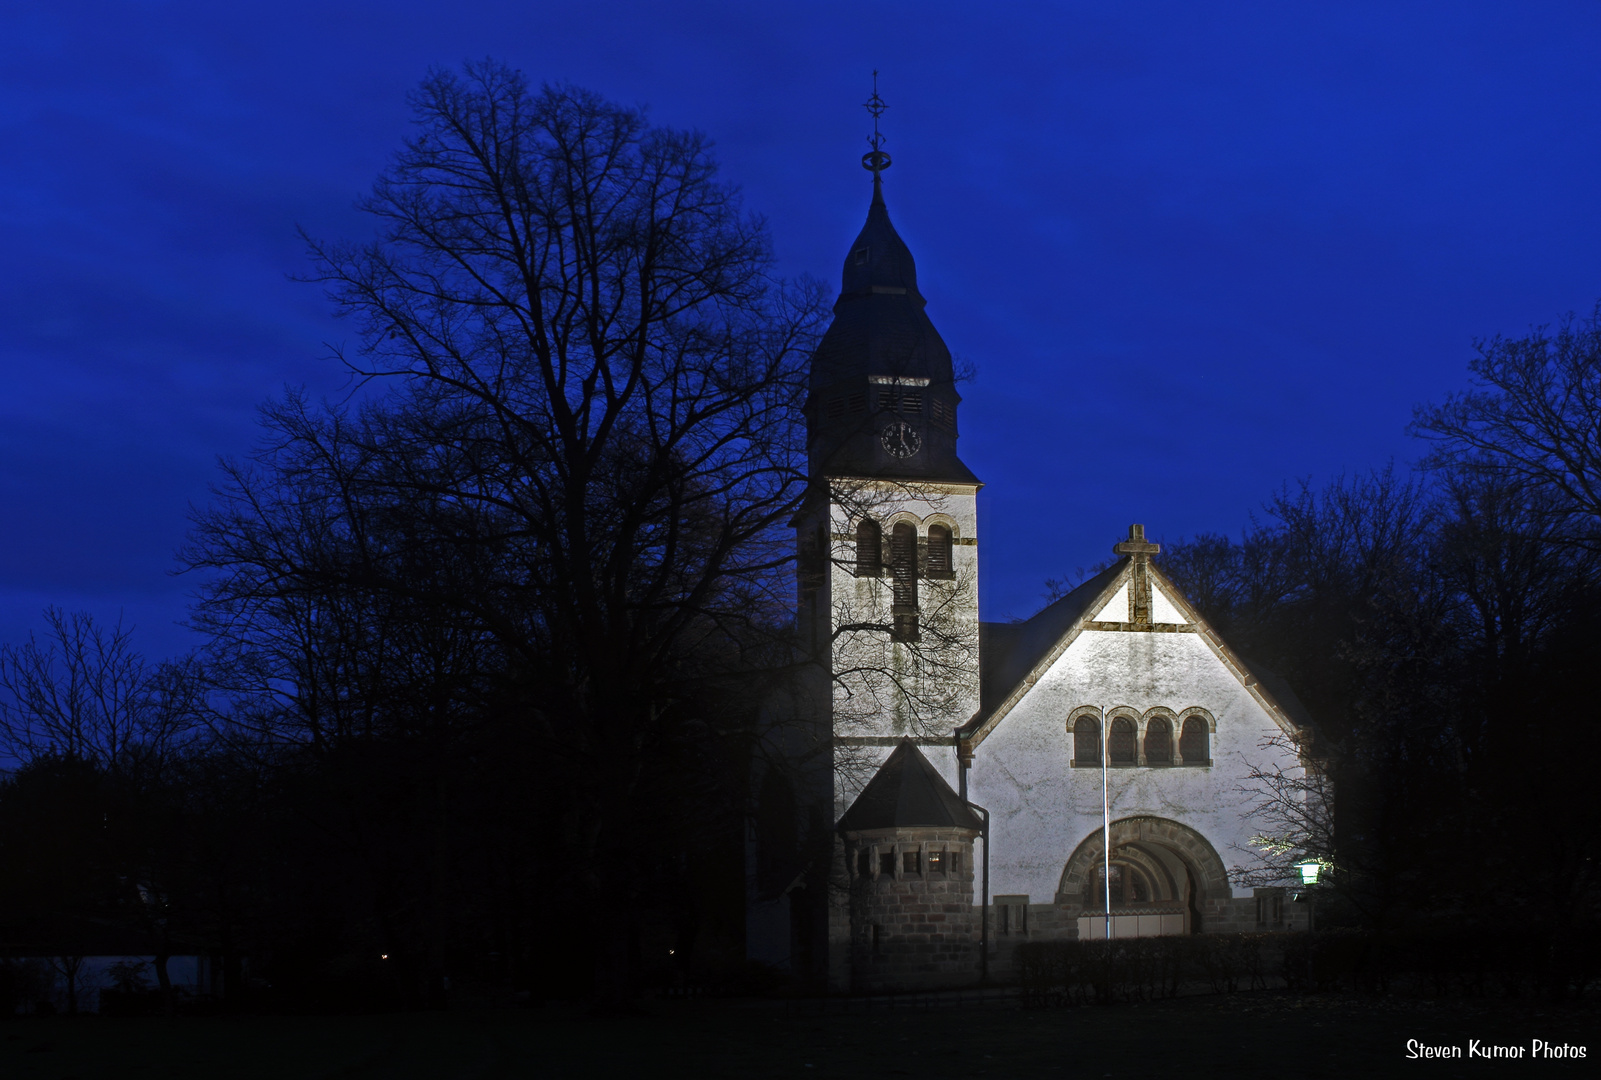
{"x": 1465, "y": 962}
{"x": 24, "y": 986}
{"x": 1054, "y": 973}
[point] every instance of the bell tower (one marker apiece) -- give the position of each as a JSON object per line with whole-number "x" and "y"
{"x": 887, "y": 613}
{"x": 888, "y": 543}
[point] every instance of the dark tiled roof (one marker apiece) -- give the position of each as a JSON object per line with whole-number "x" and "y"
{"x": 1280, "y": 690}
{"x": 929, "y": 467}
{"x": 879, "y": 334}
{"x": 1008, "y": 652}
{"x": 907, "y": 792}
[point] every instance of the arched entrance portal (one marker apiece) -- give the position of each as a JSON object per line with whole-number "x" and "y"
{"x": 1162, "y": 875}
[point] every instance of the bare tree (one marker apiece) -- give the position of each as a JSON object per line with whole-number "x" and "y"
{"x": 573, "y": 478}
{"x": 82, "y": 691}
{"x": 69, "y": 970}
{"x": 1293, "y": 810}
{"x": 1501, "y": 550}
{"x": 1533, "y": 419}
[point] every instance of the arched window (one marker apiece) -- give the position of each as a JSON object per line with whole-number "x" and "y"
{"x": 1120, "y": 742}
{"x": 1158, "y": 742}
{"x": 869, "y": 549}
{"x": 1192, "y": 742}
{"x": 939, "y": 552}
{"x": 1086, "y": 741}
{"x": 903, "y": 568}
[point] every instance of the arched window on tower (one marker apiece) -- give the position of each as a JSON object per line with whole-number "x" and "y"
{"x": 1193, "y": 741}
{"x": 1158, "y": 742}
{"x": 869, "y": 549}
{"x": 903, "y": 568}
{"x": 1086, "y": 741}
{"x": 939, "y": 553}
{"x": 1120, "y": 742}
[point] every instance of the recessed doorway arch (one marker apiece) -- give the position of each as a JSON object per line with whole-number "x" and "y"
{"x": 1163, "y": 872}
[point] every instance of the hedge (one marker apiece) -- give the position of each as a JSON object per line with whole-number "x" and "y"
{"x": 1450, "y": 963}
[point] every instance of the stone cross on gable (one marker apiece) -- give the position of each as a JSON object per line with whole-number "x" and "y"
{"x": 1139, "y": 553}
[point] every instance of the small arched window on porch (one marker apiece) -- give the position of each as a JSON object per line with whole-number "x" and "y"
{"x": 1120, "y": 742}
{"x": 1086, "y": 741}
{"x": 903, "y": 568}
{"x": 1193, "y": 740}
{"x": 939, "y": 552}
{"x": 1158, "y": 742}
{"x": 869, "y": 549}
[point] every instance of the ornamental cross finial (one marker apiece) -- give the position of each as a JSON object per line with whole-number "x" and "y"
{"x": 1139, "y": 551}
{"x": 875, "y": 160}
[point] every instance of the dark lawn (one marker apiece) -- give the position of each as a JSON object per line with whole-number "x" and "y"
{"x": 1243, "y": 1036}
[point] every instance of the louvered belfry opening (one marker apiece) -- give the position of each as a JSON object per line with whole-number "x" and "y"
{"x": 1158, "y": 742}
{"x": 939, "y": 551}
{"x": 1120, "y": 742}
{"x": 1086, "y": 741}
{"x": 1193, "y": 742}
{"x": 869, "y": 549}
{"x": 903, "y": 568}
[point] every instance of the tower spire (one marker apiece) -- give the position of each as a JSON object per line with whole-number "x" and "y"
{"x": 883, "y": 395}
{"x": 875, "y": 160}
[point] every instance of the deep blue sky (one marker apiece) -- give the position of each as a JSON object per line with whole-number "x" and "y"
{"x": 1193, "y": 250}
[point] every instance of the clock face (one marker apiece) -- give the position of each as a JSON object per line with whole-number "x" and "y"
{"x": 901, "y": 439}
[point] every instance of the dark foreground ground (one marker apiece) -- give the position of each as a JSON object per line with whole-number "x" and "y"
{"x": 1243, "y": 1036}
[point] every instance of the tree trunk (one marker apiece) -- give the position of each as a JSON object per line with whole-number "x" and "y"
{"x": 165, "y": 981}
{"x": 68, "y": 966}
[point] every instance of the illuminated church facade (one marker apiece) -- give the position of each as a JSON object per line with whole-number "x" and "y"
{"x": 941, "y": 796}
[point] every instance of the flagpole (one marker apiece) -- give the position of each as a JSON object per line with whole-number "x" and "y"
{"x": 1106, "y": 825}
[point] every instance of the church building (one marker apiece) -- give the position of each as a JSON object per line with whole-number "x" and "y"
{"x": 947, "y": 784}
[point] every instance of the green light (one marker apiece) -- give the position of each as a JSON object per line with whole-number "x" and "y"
{"x": 1310, "y": 868}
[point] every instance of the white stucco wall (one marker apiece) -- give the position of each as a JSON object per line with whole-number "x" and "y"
{"x": 1041, "y": 809}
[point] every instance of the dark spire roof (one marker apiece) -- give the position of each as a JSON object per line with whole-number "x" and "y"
{"x": 889, "y": 262}
{"x": 880, "y": 361}
{"x": 879, "y": 326}
{"x": 907, "y": 792}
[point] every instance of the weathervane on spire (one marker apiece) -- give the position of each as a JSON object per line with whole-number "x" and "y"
{"x": 875, "y": 160}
